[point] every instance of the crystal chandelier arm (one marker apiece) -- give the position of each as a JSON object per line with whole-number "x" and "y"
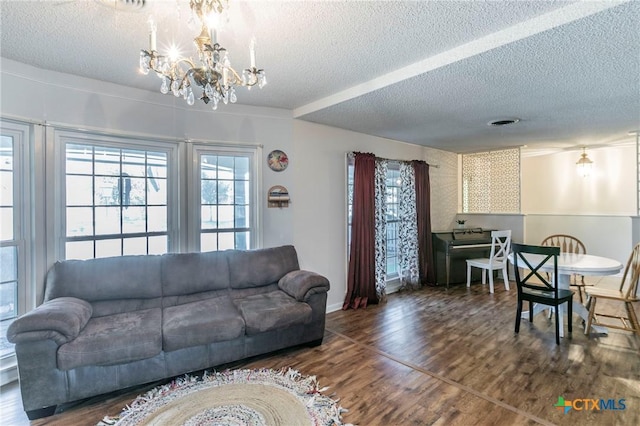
{"x": 187, "y": 60}
{"x": 153, "y": 61}
{"x": 236, "y": 78}
{"x": 174, "y": 66}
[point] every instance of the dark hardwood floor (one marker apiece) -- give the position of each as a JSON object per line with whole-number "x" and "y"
{"x": 438, "y": 357}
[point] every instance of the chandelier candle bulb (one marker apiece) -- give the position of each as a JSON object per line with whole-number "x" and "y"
{"x": 152, "y": 36}
{"x": 252, "y": 52}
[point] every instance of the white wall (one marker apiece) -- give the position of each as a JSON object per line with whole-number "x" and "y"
{"x": 635, "y": 233}
{"x": 597, "y": 209}
{"x": 602, "y": 235}
{"x": 551, "y": 185}
{"x": 319, "y": 200}
{"x": 314, "y": 221}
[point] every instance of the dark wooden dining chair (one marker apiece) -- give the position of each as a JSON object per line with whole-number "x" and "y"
{"x": 569, "y": 244}
{"x": 536, "y": 286}
{"x": 627, "y": 293}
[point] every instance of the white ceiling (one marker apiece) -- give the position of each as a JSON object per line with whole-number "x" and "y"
{"x": 432, "y": 73}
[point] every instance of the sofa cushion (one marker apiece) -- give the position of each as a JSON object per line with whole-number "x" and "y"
{"x": 103, "y": 308}
{"x": 255, "y": 268}
{"x": 114, "y": 339}
{"x": 199, "y": 323}
{"x": 271, "y": 311}
{"x": 188, "y": 273}
{"x": 122, "y": 277}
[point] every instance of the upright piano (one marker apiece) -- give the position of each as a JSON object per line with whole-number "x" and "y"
{"x": 451, "y": 249}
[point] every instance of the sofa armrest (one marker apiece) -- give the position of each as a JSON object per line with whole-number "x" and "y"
{"x": 60, "y": 319}
{"x": 302, "y": 284}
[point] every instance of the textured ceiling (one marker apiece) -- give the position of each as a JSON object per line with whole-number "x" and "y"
{"x": 425, "y": 72}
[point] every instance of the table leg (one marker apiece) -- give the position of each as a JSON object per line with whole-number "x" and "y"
{"x": 584, "y": 314}
{"x": 564, "y": 281}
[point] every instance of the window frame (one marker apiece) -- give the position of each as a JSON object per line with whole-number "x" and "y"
{"x": 254, "y": 152}
{"x": 22, "y": 215}
{"x": 62, "y": 137}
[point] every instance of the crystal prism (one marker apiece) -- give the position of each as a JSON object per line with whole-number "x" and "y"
{"x": 164, "y": 89}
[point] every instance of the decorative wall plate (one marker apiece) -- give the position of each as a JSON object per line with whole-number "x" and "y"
{"x": 278, "y": 160}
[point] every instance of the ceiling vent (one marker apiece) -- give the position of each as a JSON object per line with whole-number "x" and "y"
{"x": 130, "y": 5}
{"x": 503, "y": 122}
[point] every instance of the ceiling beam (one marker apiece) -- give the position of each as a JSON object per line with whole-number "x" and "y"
{"x": 520, "y": 31}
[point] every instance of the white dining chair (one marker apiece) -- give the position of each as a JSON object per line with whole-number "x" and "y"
{"x": 500, "y": 249}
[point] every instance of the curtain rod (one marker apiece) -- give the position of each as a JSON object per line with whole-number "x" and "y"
{"x": 351, "y": 154}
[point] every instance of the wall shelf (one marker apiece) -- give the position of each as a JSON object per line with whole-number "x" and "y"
{"x": 278, "y": 196}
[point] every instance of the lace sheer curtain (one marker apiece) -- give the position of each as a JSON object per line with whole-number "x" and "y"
{"x": 381, "y": 228}
{"x": 408, "y": 229}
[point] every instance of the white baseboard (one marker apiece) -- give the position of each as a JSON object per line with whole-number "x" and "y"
{"x": 392, "y": 287}
{"x": 8, "y": 370}
{"x": 333, "y": 308}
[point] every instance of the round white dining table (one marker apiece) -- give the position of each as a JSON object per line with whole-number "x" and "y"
{"x": 569, "y": 264}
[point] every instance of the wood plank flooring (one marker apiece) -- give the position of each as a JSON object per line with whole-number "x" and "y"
{"x": 438, "y": 357}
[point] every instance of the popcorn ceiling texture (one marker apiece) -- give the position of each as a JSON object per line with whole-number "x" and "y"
{"x": 431, "y": 73}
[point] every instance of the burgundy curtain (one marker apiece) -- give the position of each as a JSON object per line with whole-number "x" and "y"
{"x": 361, "y": 282}
{"x": 423, "y": 207}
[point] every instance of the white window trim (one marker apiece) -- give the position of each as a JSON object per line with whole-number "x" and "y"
{"x": 23, "y": 213}
{"x": 24, "y": 218}
{"x": 57, "y": 162}
{"x": 193, "y": 193}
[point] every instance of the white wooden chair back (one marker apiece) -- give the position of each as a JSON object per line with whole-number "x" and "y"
{"x": 500, "y": 246}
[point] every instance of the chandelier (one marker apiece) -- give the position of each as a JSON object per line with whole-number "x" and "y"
{"x": 584, "y": 164}
{"x": 213, "y": 74}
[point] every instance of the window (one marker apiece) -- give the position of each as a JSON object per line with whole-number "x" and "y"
{"x": 392, "y": 207}
{"x": 14, "y": 227}
{"x": 9, "y": 249}
{"x": 393, "y": 218}
{"x": 116, "y": 197}
{"x": 227, "y": 199}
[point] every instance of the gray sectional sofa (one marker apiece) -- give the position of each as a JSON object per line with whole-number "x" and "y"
{"x": 111, "y": 323}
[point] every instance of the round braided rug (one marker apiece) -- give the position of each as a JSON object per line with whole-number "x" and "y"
{"x": 234, "y": 398}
